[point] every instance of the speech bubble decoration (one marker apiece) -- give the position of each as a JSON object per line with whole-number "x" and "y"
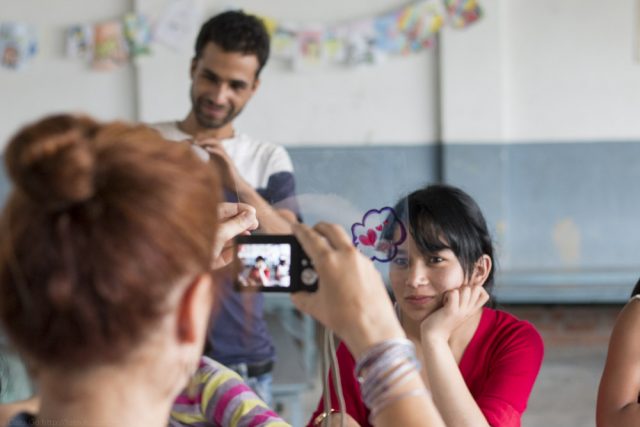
{"x": 367, "y": 235}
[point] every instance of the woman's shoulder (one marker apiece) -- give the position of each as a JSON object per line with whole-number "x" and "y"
{"x": 209, "y": 368}
{"x": 629, "y": 317}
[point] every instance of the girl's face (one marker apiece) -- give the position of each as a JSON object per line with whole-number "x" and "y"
{"x": 419, "y": 282}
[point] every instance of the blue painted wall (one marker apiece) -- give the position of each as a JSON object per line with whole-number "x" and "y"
{"x": 564, "y": 216}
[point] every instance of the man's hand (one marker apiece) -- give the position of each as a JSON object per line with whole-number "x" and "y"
{"x": 235, "y": 219}
{"x": 272, "y": 221}
{"x": 231, "y": 179}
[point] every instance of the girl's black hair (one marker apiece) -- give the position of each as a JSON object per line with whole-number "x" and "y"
{"x": 441, "y": 217}
{"x": 636, "y": 289}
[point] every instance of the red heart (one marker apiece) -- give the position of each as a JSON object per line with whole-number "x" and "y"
{"x": 369, "y": 239}
{"x": 379, "y": 228}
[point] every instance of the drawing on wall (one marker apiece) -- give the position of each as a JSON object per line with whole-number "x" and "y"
{"x": 462, "y": 13}
{"x": 177, "y": 24}
{"x": 373, "y": 236}
{"x": 137, "y": 31}
{"x": 110, "y": 48}
{"x": 406, "y": 30}
{"x": 79, "y": 41}
{"x": 18, "y": 44}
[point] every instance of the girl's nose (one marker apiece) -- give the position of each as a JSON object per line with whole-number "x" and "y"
{"x": 417, "y": 275}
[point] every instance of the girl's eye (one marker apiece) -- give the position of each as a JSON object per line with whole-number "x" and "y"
{"x": 435, "y": 259}
{"x": 401, "y": 262}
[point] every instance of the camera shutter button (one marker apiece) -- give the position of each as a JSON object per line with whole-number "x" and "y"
{"x": 309, "y": 276}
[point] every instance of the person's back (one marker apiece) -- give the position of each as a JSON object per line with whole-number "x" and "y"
{"x": 104, "y": 267}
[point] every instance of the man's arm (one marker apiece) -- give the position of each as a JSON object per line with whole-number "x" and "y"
{"x": 272, "y": 220}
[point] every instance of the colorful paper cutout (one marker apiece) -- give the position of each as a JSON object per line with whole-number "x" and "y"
{"x": 109, "y": 49}
{"x": 462, "y": 13}
{"x": 409, "y": 29}
{"x": 18, "y": 44}
{"x": 370, "y": 238}
{"x": 138, "y": 34}
{"x": 79, "y": 41}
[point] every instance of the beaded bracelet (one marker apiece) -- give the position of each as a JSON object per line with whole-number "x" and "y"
{"x": 372, "y": 354}
{"x": 382, "y": 369}
{"x": 379, "y": 390}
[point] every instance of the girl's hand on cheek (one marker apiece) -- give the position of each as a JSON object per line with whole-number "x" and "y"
{"x": 458, "y": 306}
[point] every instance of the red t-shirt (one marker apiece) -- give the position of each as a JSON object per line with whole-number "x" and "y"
{"x": 499, "y": 366}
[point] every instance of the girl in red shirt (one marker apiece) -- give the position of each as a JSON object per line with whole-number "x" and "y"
{"x": 480, "y": 364}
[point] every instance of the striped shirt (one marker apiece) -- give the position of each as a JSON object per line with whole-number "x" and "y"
{"x": 217, "y": 396}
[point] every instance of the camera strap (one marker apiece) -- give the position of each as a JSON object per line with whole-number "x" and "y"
{"x": 330, "y": 365}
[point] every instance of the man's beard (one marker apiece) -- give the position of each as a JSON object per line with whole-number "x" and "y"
{"x": 208, "y": 122}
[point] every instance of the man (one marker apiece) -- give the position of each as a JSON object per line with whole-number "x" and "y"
{"x": 231, "y": 50}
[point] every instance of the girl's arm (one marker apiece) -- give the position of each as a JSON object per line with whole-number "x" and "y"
{"x": 450, "y": 393}
{"x": 512, "y": 373}
{"x": 620, "y": 384}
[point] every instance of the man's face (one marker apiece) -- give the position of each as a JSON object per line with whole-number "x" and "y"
{"x": 221, "y": 84}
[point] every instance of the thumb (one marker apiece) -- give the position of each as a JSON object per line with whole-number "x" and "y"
{"x": 236, "y": 225}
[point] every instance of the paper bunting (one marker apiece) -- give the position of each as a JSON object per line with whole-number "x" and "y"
{"x": 79, "y": 41}
{"x": 400, "y": 32}
{"x": 137, "y": 31}
{"x": 18, "y": 44}
{"x": 462, "y": 13}
{"x": 109, "y": 46}
{"x": 409, "y": 29}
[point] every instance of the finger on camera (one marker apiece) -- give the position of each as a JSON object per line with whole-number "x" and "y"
{"x": 229, "y": 209}
{"x": 312, "y": 242}
{"x": 335, "y": 234}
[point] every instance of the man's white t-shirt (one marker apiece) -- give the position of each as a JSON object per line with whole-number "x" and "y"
{"x": 239, "y": 333}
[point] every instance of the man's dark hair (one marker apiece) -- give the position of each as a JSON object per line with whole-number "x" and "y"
{"x": 235, "y": 31}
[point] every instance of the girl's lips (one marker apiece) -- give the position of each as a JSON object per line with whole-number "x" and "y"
{"x": 418, "y": 299}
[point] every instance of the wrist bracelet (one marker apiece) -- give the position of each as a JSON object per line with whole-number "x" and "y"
{"x": 383, "y": 368}
{"x": 365, "y": 360}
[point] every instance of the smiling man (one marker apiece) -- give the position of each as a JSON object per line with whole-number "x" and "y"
{"x": 230, "y": 52}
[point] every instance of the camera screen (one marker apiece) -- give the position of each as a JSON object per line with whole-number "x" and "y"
{"x": 264, "y": 265}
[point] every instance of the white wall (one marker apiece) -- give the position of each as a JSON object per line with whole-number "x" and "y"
{"x": 52, "y": 83}
{"x": 530, "y": 70}
{"x": 543, "y": 71}
{"x": 393, "y": 102}
{"x": 574, "y": 72}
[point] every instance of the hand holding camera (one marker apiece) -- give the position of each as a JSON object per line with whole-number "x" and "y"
{"x": 273, "y": 263}
{"x": 351, "y": 298}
